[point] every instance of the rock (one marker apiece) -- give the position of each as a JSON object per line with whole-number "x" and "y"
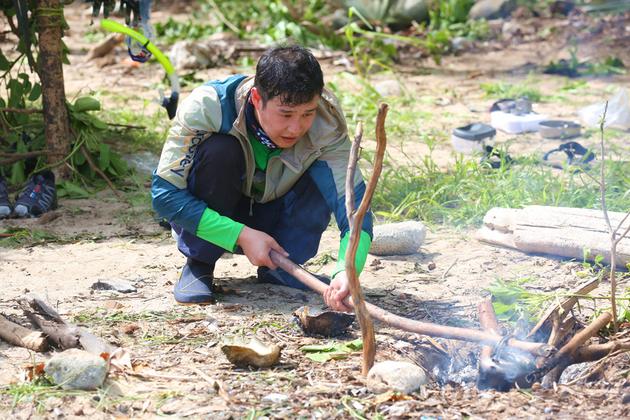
{"x": 387, "y": 88}
{"x": 143, "y": 162}
{"x": 77, "y": 369}
{"x": 398, "y": 238}
{"x": 275, "y": 398}
{"x": 121, "y": 286}
{"x": 625, "y": 399}
{"x": 398, "y": 376}
{"x": 492, "y": 9}
{"x": 216, "y": 50}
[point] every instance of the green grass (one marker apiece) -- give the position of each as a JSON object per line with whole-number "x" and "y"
{"x": 501, "y": 90}
{"x": 462, "y": 195}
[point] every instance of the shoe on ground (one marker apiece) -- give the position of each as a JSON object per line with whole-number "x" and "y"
{"x": 195, "y": 284}
{"x": 5, "y": 204}
{"x": 38, "y": 196}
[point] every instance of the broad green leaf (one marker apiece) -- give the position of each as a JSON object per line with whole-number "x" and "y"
{"x": 318, "y": 348}
{"x": 86, "y": 103}
{"x": 72, "y": 190}
{"x": 36, "y": 92}
{"x": 4, "y": 63}
{"x": 103, "y": 156}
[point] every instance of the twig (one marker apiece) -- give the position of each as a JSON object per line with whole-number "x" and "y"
{"x": 14, "y": 157}
{"x": 135, "y": 127}
{"x": 449, "y": 268}
{"x": 565, "y": 306}
{"x": 22, "y": 110}
{"x": 96, "y": 169}
{"x": 614, "y": 237}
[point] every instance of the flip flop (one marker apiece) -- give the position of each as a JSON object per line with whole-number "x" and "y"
{"x": 496, "y": 158}
{"x": 576, "y": 155}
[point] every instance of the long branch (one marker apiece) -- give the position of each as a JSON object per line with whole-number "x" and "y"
{"x": 426, "y": 328}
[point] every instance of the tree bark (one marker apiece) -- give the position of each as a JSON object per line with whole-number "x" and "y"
{"x": 49, "y": 16}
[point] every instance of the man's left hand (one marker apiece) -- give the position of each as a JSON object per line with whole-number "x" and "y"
{"x": 337, "y": 292}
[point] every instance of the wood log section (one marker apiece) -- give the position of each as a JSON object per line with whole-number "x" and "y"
{"x": 426, "y": 328}
{"x": 560, "y": 231}
{"x": 21, "y": 336}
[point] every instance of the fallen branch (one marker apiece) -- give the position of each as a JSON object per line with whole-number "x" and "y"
{"x": 555, "y": 365}
{"x": 21, "y": 336}
{"x": 561, "y": 310}
{"x": 104, "y": 47}
{"x": 425, "y": 328}
{"x": 61, "y": 333}
{"x": 355, "y": 220}
{"x": 98, "y": 170}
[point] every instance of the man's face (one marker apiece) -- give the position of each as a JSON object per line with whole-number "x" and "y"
{"x": 284, "y": 124}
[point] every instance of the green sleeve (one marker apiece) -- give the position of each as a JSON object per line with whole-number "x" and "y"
{"x": 362, "y": 250}
{"x": 219, "y": 230}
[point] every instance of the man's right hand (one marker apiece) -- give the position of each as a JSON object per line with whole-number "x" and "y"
{"x": 257, "y": 245}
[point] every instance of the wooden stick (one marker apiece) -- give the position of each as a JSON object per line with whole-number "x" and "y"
{"x": 554, "y": 366}
{"x": 598, "y": 351}
{"x": 426, "y": 328}
{"x": 564, "y": 307}
{"x": 20, "y": 336}
{"x": 355, "y": 220}
{"x": 490, "y": 375}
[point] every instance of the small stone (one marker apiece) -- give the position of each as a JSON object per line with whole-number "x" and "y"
{"x": 625, "y": 399}
{"x": 387, "y": 88}
{"x": 121, "y": 286}
{"x": 548, "y": 410}
{"x": 492, "y": 9}
{"x": 275, "y": 398}
{"x": 431, "y": 266}
{"x": 398, "y": 238}
{"x": 77, "y": 369}
{"x": 398, "y": 376}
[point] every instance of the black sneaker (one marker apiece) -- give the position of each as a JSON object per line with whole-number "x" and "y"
{"x": 5, "y": 204}
{"x": 38, "y": 196}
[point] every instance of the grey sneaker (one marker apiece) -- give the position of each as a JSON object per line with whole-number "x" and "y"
{"x": 5, "y": 204}
{"x": 38, "y": 196}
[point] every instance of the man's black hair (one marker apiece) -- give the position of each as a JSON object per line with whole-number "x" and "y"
{"x": 291, "y": 73}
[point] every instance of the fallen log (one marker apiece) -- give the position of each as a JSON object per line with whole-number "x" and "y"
{"x": 425, "y": 328}
{"x": 560, "y": 231}
{"x": 21, "y": 336}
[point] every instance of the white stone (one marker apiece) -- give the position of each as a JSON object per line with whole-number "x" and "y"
{"x": 388, "y": 88}
{"x": 398, "y": 376}
{"x": 77, "y": 369}
{"x": 398, "y": 238}
{"x": 275, "y": 398}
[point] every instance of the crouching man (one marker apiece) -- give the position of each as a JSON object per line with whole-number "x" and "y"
{"x": 258, "y": 163}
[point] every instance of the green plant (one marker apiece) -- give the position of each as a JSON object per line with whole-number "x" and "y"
{"x": 509, "y": 90}
{"x": 512, "y": 301}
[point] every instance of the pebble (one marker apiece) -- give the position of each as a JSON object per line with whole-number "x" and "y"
{"x": 121, "y": 286}
{"x": 77, "y": 369}
{"x": 398, "y": 376}
{"x": 398, "y": 238}
{"x": 275, "y": 398}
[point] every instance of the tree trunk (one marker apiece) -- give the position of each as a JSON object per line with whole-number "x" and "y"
{"x": 50, "y": 68}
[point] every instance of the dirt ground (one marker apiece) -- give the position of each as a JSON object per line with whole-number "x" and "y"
{"x": 180, "y": 370}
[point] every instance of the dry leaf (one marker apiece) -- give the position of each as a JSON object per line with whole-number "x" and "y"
{"x": 324, "y": 323}
{"x": 252, "y": 353}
